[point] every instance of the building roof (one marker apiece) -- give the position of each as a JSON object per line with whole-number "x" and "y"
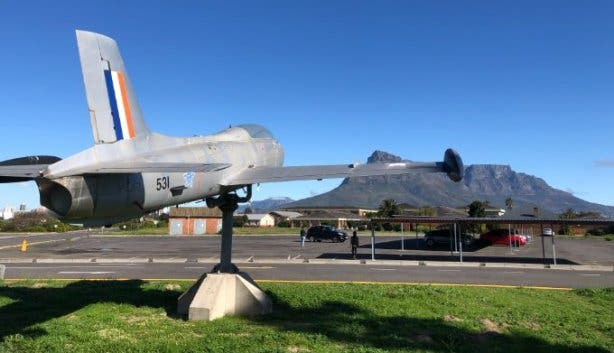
{"x": 287, "y": 214}
{"x": 326, "y": 208}
{"x": 255, "y": 216}
{"x": 195, "y": 212}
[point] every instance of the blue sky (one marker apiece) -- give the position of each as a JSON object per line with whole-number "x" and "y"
{"x": 524, "y": 83}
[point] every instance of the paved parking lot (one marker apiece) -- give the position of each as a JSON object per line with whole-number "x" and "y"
{"x": 595, "y": 251}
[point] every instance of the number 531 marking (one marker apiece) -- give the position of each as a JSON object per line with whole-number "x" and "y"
{"x": 163, "y": 183}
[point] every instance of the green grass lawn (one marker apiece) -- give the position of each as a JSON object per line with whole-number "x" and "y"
{"x": 137, "y": 316}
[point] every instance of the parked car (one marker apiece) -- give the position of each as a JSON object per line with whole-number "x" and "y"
{"x": 502, "y": 237}
{"x": 319, "y": 233}
{"x": 444, "y": 237}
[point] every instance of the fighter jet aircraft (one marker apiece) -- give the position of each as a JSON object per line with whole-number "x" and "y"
{"x": 131, "y": 171}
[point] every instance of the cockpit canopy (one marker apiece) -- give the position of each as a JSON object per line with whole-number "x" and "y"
{"x": 256, "y": 131}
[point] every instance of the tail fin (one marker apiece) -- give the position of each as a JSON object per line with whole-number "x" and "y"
{"x": 114, "y": 111}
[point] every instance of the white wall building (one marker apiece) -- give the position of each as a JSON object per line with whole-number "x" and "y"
{"x": 7, "y": 213}
{"x": 260, "y": 220}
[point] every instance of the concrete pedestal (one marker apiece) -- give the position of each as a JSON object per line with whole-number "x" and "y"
{"x": 215, "y": 295}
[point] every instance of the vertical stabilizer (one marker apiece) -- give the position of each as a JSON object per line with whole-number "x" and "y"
{"x": 114, "y": 111}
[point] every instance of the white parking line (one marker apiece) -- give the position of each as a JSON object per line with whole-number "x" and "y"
{"x": 590, "y": 275}
{"x": 383, "y": 269}
{"x": 449, "y": 270}
{"x": 513, "y": 272}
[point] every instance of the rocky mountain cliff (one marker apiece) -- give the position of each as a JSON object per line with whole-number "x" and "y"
{"x": 489, "y": 182}
{"x": 266, "y": 205}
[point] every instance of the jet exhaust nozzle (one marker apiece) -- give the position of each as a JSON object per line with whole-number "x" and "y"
{"x": 453, "y": 165}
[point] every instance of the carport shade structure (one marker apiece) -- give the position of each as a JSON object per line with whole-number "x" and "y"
{"x": 464, "y": 221}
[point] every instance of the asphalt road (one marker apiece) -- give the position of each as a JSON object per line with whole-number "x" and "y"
{"x": 81, "y": 245}
{"x": 149, "y": 257}
{"x": 323, "y": 272}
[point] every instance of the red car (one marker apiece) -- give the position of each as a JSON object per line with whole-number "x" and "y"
{"x": 502, "y": 237}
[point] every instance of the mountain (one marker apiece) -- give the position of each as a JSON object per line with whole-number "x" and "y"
{"x": 266, "y": 205}
{"x": 489, "y": 182}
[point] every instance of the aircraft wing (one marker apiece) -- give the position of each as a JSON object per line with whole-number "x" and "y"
{"x": 24, "y": 168}
{"x": 452, "y": 166}
{"x": 155, "y": 167}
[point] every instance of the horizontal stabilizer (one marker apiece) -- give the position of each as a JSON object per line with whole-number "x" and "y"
{"x": 452, "y": 166}
{"x": 24, "y": 168}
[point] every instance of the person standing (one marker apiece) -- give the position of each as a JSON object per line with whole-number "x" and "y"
{"x": 303, "y": 236}
{"x": 354, "y": 242}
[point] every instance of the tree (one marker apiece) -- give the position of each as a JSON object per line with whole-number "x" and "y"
{"x": 478, "y": 208}
{"x": 427, "y": 211}
{"x": 568, "y": 214}
{"x": 388, "y": 208}
{"x": 509, "y": 203}
{"x": 239, "y": 221}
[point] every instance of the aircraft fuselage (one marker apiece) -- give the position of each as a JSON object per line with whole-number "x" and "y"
{"x": 100, "y": 199}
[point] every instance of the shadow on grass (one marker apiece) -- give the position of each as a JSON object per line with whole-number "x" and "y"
{"x": 340, "y": 322}
{"x": 32, "y": 306}
{"x": 351, "y": 325}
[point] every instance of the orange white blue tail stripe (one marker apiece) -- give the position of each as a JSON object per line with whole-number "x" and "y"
{"x": 120, "y": 106}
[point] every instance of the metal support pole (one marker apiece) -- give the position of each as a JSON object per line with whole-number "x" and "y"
{"x": 402, "y": 238}
{"x": 227, "y": 203}
{"x": 2, "y": 271}
{"x": 553, "y": 250}
{"x": 543, "y": 246}
{"x": 372, "y": 242}
{"x": 509, "y": 236}
{"x": 460, "y": 243}
{"x": 226, "y": 265}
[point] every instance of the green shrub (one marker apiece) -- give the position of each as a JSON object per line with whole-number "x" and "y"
{"x": 283, "y": 224}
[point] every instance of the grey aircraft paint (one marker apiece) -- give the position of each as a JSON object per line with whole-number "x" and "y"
{"x": 131, "y": 171}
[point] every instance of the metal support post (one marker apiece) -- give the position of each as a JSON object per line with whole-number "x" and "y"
{"x": 460, "y": 244}
{"x": 509, "y": 236}
{"x": 553, "y": 250}
{"x": 2, "y": 271}
{"x": 227, "y": 203}
{"x": 372, "y": 242}
{"x": 402, "y": 238}
{"x": 541, "y": 235}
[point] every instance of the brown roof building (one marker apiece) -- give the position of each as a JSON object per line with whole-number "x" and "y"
{"x": 194, "y": 220}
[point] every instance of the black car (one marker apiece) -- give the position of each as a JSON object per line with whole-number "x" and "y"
{"x": 444, "y": 237}
{"x": 319, "y": 233}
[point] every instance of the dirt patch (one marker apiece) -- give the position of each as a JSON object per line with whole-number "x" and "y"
{"x": 296, "y": 349}
{"x": 172, "y": 286}
{"x": 39, "y": 285}
{"x": 451, "y": 318}
{"x": 492, "y": 326}
{"x": 532, "y": 326}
